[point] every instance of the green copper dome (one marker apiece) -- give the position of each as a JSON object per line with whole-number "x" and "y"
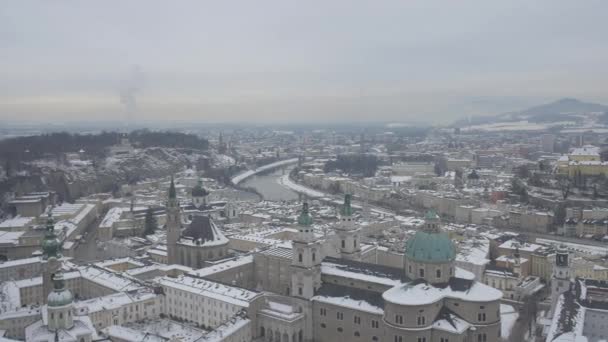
{"x": 431, "y": 215}
{"x": 430, "y": 247}
{"x": 305, "y": 219}
{"x": 347, "y": 209}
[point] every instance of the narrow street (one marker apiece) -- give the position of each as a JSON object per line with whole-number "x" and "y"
{"x": 87, "y": 250}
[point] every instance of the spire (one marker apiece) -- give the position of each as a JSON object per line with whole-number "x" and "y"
{"x": 305, "y": 219}
{"x": 50, "y": 244}
{"x": 346, "y": 209}
{"x": 172, "y": 193}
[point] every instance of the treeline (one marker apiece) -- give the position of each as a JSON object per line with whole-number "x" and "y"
{"x": 146, "y": 138}
{"x": 365, "y": 165}
{"x": 34, "y": 147}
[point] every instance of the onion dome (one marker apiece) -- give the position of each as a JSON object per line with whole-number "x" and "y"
{"x": 60, "y": 296}
{"x": 50, "y": 243}
{"x": 199, "y": 190}
{"x": 305, "y": 219}
{"x": 431, "y": 215}
{"x": 347, "y": 209}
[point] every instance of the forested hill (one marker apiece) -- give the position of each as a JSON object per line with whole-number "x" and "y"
{"x": 34, "y": 147}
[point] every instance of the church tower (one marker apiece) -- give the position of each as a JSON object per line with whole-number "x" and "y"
{"x": 306, "y": 260}
{"x": 60, "y": 306}
{"x": 51, "y": 253}
{"x": 173, "y": 225}
{"x": 560, "y": 281}
{"x": 348, "y": 232}
{"x": 199, "y": 194}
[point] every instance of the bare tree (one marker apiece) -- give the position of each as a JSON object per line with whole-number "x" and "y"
{"x": 564, "y": 185}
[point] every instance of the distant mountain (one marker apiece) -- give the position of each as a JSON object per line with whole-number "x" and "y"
{"x": 566, "y": 109}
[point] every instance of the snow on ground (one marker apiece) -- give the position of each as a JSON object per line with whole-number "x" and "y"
{"x": 288, "y": 183}
{"x": 586, "y": 249}
{"x": 508, "y": 316}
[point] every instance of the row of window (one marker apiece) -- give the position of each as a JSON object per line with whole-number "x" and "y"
{"x": 356, "y": 319}
{"x": 356, "y": 333}
{"x": 354, "y": 244}
{"x": 421, "y": 320}
{"x": 421, "y": 272}
{"x": 401, "y": 339}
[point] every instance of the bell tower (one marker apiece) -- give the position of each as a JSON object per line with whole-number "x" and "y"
{"x": 560, "y": 281}
{"x": 51, "y": 253}
{"x": 306, "y": 260}
{"x": 173, "y": 224}
{"x": 348, "y": 232}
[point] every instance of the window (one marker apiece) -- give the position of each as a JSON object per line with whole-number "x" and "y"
{"x": 323, "y": 325}
{"x": 300, "y": 257}
{"x": 375, "y": 324}
{"x": 323, "y": 312}
{"x": 340, "y": 316}
{"x": 343, "y": 244}
{"x": 357, "y": 320}
{"x": 300, "y": 291}
{"x": 438, "y": 273}
{"x": 421, "y": 272}
{"x": 340, "y": 329}
{"x": 262, "y": 332}
{"x": 410, "y": 268}
{"x": 421, "y": 320}
{"x": 482, "y": 338}
{"x": 314, "y": 256}
{"x": 421, "y": 339}
{"x": 355, "y": 243}
{"x": 481, "y": 316}
{"x": 375, "y": 338}
{"x": 398, "y": 319}
{"x": 398, "y": 338}
{"x": 444, "y": 339}
{"x": 357, "y": 334}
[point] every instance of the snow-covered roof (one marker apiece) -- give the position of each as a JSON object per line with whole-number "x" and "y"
{"x": 230, "y": 294}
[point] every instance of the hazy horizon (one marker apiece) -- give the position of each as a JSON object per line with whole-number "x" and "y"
{"x": 279, "y": 61}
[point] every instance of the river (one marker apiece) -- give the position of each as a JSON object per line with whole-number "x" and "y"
{"x": 267, "y": 185}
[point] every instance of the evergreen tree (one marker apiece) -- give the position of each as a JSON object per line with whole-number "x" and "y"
{"x": 150, "y": 223}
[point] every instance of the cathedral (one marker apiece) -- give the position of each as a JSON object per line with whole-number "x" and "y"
{"x": 199, "y": 241}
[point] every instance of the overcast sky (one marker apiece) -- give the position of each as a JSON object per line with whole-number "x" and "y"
{"x": 307, "y": 60}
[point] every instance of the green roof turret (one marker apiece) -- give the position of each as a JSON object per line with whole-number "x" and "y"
{"x": 305, "y": 219}
{"x": 347, "y": 209}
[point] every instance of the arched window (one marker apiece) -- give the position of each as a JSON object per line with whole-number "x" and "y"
{"x": 262, "y": 331}
{"x": 421, "y": 272}
{"x": 314, "y": 256}
{"x": 300, "y": 257}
